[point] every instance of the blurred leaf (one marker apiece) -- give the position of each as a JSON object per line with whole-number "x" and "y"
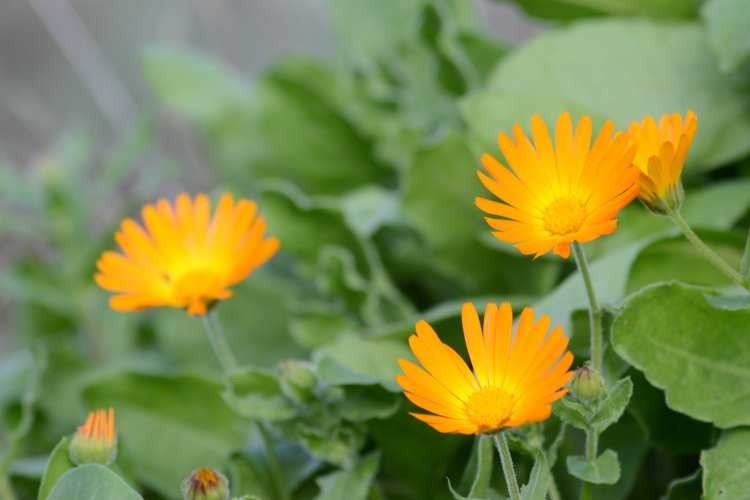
{"x": 193, "y": 84}
{"x": 438, "y": 200}
{"x": 675, "y": 351}
{"x": 728, "y": 302}
{"x": 327, "y": 154}
{"x": 676, "y": 259}
{"x": 352, "y": 484}
{"x": 727, "y": 24}
{"x": 622, "y": 69}
{"x": 59, "y": 463}
{"x": 92, "y": 482}
{"x": 725, "y": 466}
{"x": 666, "y": 429}
{"x": 365, "y": 402}
{"x": 167, "y": 425}
{"x": 685, "y": 488}
{"x": 369, "y": 208}
{"x": 314, "y": 326}
{"x": 354, "y": 360}
{"x": 257, "y": 395}
{"x": 604, "y": 470}
{"x": 536, "y": 488}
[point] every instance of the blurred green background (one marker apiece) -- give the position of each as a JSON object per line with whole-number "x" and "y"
{"x": 358, "y": 126}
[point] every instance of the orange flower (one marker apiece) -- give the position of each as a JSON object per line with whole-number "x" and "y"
{"x": 515, "y": 377}
{"x": 184, "y": 257}
{"x": 95, "y": 441}
{"x": 555, "y": 194}
{"x": 660, "y": 157}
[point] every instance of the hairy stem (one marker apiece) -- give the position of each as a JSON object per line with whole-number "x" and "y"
{"x": 595, "y": 320}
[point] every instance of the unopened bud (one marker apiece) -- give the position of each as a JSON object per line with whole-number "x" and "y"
{"x": 587, "y": 385}
{"x": 95, "y": 442}
{"x": 299, "y": 380}
{"x": 205, "y": 484}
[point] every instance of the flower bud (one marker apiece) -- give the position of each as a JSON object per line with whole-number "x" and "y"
{"x": 95, "y": 442}
{"x": 587, "y": 385}
{"x": 299, "y": 380}
{"x": 205, "y": 484}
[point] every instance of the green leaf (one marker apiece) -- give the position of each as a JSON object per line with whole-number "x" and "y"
{"x": 92, "y": 482}
{"x": 196, "y": 85}
{"x": 478, "y": 472}
{"x": 625, "y": 439}
{"x": 726, "y": 24}
{"x": 666, "y": 429}
{"x": 59, "y": 463}
{"x": 612, "y": 407}
{"x": 354, "y": 360}
{"x": 457, "y": 495}
{"x": 726, "y": 467}
{"x": 644, "y": 68}
{"x": 352, "y": 484}
{"x": 745, "y": 264}
{"x": 363, "y": 402}
{"x": 536, "y": 488}
{"x": 604, "y": 470}
{"x": 167, "y": 425}
{"x": 572, "y": 412}
{"x": 685, "y": 488}
{"x": 257, "y": 394}
{"x": 670, "y": 333}
{"x": 572, "y": 9}
{"x": 328, "y": 156}
{"x": 729, "y": 302}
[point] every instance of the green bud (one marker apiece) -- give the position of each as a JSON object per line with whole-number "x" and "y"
{"x": 95, "y": 442}
{"x": 587, "y": 385}
{"x": 299, "y": 380}
{"x": 205, "y": 484}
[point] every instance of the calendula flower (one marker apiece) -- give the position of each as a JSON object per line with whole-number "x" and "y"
{"x": 182, "y": 256}
{"x": 95, "y": 442}
{"x": 515, "y": 377}
{"x": 660, "y": 157}
{"x": 561, "y": 192}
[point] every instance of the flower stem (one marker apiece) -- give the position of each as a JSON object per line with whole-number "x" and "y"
{"x": 484, "y": 467}
{"x": 510, "y": 474}
{"x": 592, "y": 444}
{"x": 709, "y": 254}
{"x": 595, "y": 321}
{"x": 219, "y": 341}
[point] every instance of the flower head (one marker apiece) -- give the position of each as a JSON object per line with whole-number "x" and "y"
{"x": 515, "y": 377}
{"x": 561, "y": 192}
{"x": 182, "y": 256}
{"x": 95, "y": 442}
{"x": 587, "y": 385}
{"x": 205, "y": 484}
{"x": 661, "y": 154}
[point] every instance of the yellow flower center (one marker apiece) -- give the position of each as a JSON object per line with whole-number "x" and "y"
{"x": 489, "y": 409}
{"x": 564, "y": 216}
{"x": 197, "y": 289}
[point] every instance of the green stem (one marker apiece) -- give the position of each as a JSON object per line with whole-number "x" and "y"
{"x": 24, "y": 425}
{"x": 219, "y": 341}
{"x": 273, "y": 459}
{"x": 229, "y": 363}
{"x": 595, "y": 321}
{"x": 592, "y": 444}
{"x": 709, "y": 254}
{"x": 552, "y": 491}
{"x": 510, "y": 474}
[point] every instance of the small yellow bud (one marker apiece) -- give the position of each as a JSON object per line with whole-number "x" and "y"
{"x": 205, "y": 484}
{"x": 95, "y": 442}
{"x": 587, "y": 385}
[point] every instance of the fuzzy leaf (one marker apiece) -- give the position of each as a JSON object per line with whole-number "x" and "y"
{"x": 604, "y": 470}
